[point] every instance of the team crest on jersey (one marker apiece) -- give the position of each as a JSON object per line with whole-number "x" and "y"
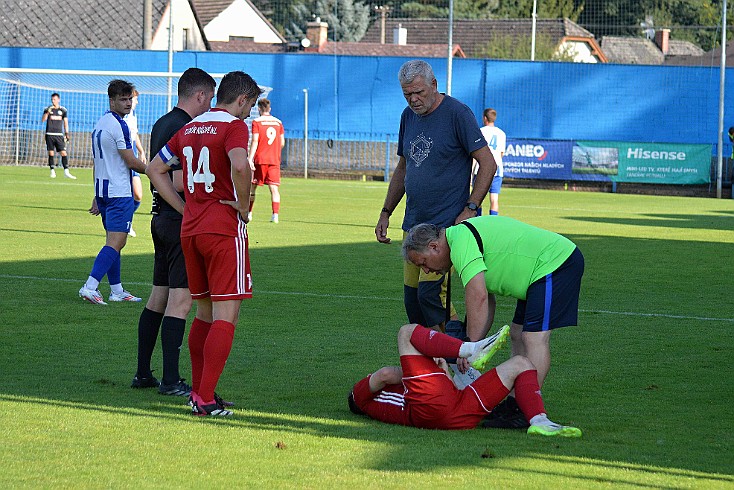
{"x": 420, "y": 148}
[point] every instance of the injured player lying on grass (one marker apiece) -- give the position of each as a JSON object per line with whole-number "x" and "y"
{"x": 420, "y": 392}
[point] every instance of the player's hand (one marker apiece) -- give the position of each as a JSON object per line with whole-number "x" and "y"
{"x": 381, "y": 229}
{"x": 462, "y": 364}
{"x": 66, "y": 137}
{"x": 236, "y": 206}
{"x": 465, "y": 214}
{"x": 252, "y": 165}
{"x": 94, "y": 210}
{"x": 441, "y": 362}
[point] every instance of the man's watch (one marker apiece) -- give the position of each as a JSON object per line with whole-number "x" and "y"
{"x": 472, "y": 207}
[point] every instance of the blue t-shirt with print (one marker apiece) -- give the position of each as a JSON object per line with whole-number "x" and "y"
{"x": 437, "y": 149}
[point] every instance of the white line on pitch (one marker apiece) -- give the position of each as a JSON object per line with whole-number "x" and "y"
{"x": 380, "y": 298}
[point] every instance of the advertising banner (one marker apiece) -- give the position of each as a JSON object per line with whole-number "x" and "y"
{"x": 651, "y": 163}
{"x": 538, "y": 159}
{"x": 605, "y": 161}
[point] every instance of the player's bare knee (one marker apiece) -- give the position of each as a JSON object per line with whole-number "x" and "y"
{"x": 521, "y": 363}
{"x": 405, "y": 332}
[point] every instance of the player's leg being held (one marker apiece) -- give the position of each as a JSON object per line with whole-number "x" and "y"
{"x": 416, "y": 339}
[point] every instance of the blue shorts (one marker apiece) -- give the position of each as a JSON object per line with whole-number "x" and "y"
{"x": 553, "y": 301}
{"x": 116, "y": 212}
{"x": 496, "y": 184}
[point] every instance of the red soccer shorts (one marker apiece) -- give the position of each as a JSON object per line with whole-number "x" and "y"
{"x": 218, "y": 266}
{"x": 435, "y": 403}
{"x": 266, "y": 174}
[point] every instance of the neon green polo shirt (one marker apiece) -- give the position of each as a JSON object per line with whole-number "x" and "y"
{"x": 515, "y": 254}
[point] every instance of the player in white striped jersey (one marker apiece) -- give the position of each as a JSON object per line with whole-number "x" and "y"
{"x": 114, "y": 162}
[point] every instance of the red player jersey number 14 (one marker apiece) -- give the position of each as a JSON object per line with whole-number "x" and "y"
{"x": 203, "y": 174}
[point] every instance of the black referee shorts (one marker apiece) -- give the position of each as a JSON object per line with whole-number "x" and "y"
{"x": 553, "y": 300}
{"x": 169, "y": 268}
{"x": 55, "y": 142}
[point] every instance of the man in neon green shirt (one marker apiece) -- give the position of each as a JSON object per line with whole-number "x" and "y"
{"x": 500, "y": 255}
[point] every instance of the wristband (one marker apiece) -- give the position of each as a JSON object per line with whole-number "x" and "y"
{"x": 385, "y": 210}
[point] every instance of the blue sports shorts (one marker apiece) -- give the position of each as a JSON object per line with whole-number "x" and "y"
{"x": 496, "y": 185}
{"x": 116, "y": 212}
{"x": 553, "y": 301}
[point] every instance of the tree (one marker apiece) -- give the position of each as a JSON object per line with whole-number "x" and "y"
{"x": 348, "y": 19}
{"x": 694, "y": 20}
{"x": 511, "y": 47}
{"x": 547, "y": 9}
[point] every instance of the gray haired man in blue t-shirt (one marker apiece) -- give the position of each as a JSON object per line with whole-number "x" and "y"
{"x": 438, "y": 141}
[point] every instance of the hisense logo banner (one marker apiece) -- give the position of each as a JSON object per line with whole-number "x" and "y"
{"x": 651, "y": 163}
{"x": 654, "y": 163}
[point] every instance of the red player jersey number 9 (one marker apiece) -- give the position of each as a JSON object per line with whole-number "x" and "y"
{"x": 271, "y": 133}
{"x": 202, "y": 175}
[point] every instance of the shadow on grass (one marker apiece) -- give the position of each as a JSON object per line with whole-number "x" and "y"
{"x": 334, "y": 319}
{"x": 721, "y": 221}
{"x": 358, "y": 428}
{"x": 53, "y": 233}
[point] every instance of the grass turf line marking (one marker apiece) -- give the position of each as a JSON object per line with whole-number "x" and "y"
{"x": 379, "y": 298}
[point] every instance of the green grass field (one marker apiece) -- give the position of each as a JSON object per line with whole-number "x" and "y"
{"x": 646, "y": 375}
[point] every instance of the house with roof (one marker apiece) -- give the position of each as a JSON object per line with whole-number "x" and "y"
{"x": 318, "y": 42}
{"x": 643, "y": 51}
{"x": 86, "y": 24}
{"x": 473, "y": 35}
{"x": 710, "y": 58}
{"x": 198, "y": 24}
{"x": 235, "y": 20}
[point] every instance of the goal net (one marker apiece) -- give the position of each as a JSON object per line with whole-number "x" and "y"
{"x": 25, "y": 94}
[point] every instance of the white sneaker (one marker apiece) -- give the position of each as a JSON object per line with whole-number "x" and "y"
{"x": 488, "y": 347}
{"x": 462, "y": 380}
{"x": 274, "y": 219}
{"x": 53, "y": 173}
{"x": 91, "y": 295}
{"x": 68, "y": 175}
{"x": 132, "y": 232}
{"x": 124, "y": 296}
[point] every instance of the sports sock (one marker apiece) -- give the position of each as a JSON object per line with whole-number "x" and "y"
{"x": 527, "y": 394}
{"x": 105, "y": 258}
{"x": 91, "y": 283}
{"x": 434, "y": 344}
{"x": 276, "y": 207}
{"x": 148, "y": 325}
{"x": 542, "y": 419}
{"x": 51, "y": 162}
{"x": 493, "y": 213}
{"x": 467, "y": 348}
{"x": 65, "y": 162}
{"x": 216, "y": 351}
{"x": 113, "y": 275}
{"x": 172, "y": 333}
{"x": 197, "y": 337}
